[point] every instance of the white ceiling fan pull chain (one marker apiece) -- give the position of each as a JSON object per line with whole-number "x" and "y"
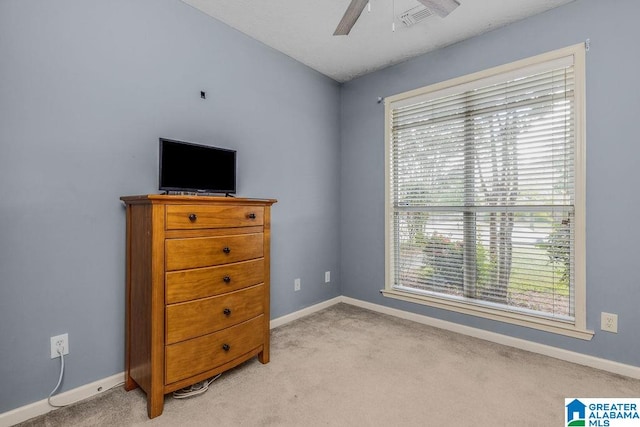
{"x": 393, "y": 16}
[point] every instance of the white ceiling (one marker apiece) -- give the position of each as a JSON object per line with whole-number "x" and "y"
{"x": 302, "y": 29}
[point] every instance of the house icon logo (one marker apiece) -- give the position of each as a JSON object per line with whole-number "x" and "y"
{"x": 576, "y": 413}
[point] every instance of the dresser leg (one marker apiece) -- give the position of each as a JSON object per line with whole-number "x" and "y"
{"x": 263, "y": 356}
{"x": 155, "y": 404}
{"x": 129, "y": 383}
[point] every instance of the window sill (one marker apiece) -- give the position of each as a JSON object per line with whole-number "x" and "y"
{"x": 547, "y": 325}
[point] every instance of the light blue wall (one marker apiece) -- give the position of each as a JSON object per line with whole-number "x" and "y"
{"x": 613, "y": 152}
{"x": 86, "y": 89}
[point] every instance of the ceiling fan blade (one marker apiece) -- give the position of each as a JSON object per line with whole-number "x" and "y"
{"x": 440, "y": 7}
{"x": 350, "y": 17}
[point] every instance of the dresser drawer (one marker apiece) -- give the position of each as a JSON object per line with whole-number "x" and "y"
{"x": 192, "y": 319}
{"x": 188, "y": 358}
{"x": 187, "y": 217}
{"x": 197, "y": 252}
{"x": 186, "y": 285}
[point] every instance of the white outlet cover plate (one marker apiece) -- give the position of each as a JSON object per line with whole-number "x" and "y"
{"x": 609, "y": 322}
{"x": 54, "y": 348}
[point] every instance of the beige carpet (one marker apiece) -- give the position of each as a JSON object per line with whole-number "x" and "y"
{"x": 345, "y": 366}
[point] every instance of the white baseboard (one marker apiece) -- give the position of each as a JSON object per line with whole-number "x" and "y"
{"x": 304, "y": 312}
{"x": 24, "y": 413}
{"x": 41, "y": 407}
{"x": 555, "y": 352}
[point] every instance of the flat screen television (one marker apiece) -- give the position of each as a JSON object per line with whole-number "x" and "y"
{"x": 188, "y": 167}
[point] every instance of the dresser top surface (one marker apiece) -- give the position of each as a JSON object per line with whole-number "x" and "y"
{"x": 193, "y": 199}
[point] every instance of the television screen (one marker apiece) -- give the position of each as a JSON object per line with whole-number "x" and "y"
{"x": 196, "y": 168}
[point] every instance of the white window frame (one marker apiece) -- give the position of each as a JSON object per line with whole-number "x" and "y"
{"x": 576, "y": 328}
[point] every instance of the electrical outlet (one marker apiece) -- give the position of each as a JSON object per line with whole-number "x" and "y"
{"x": 609, "y": 322}
{"x": 62, "y": 341}
{"x": 296, "y": 285}
{"x": 327, "y": 276}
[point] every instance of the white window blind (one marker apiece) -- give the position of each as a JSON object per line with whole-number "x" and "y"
{"x": 482, "y": 191}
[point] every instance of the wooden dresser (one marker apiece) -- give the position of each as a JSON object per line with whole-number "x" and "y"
{"x": 197, "y": 289}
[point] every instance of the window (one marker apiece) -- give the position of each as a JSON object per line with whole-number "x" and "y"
{"x": 485, "y": 194}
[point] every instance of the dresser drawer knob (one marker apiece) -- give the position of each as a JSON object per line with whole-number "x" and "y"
{"x": 226, "y": 279}
{"x": 251, "y": 216}
{"x": 227, "y": 311}
{"x": 226, "y": 249}
{"x": 193, "y": 217}
{"x": 226, "y": 347}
